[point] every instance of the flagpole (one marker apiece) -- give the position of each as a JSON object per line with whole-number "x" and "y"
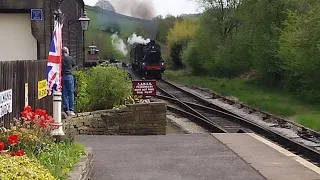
{"x": 57, "y": 95}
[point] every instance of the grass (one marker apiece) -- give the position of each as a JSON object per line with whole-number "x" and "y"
{"x": 273, "y": 101}
{"x": 59, "y": 158}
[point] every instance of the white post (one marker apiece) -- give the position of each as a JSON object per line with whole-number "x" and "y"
{"x": 57, "y": 114}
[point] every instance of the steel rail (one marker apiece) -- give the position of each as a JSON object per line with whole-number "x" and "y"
{"x": 304, "y": 132}
{"x": 218, "y": 129}
{"x": 286, "y": 142}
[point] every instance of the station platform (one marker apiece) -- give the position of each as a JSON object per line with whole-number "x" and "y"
{"x": 271, "y": 160}
{"x": 193, "y": 157}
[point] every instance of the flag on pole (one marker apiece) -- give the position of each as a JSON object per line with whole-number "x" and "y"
{"x": 53, "y": 72}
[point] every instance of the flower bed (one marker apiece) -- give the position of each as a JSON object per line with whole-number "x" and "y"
{"x": 28, "y": 147}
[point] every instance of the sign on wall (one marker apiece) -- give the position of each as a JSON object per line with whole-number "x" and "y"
{"x": 42, "y": 89}
{"x": 144, "y": 88}
{"x": 26, "y": 90}
{"x": 36, "y": 14}
{"x": 5, "y": 102}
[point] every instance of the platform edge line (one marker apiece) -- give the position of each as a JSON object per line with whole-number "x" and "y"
{"x": 285, "y": 152}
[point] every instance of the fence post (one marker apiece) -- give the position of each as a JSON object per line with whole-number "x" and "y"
{"x": 57, "y": 114}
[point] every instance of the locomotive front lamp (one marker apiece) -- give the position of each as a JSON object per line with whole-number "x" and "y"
{"x": 84, "y": 19}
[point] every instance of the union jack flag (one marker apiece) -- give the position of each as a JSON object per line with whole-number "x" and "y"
{"x": 53, "y": 72}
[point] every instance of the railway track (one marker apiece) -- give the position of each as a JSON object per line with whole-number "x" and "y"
{"x": 305, "y": 142}
{"x": 217, "y": 119}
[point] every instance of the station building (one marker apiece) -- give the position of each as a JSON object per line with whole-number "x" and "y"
{"x": 27, "y": 25}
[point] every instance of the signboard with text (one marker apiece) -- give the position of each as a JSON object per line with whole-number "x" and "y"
{"x": 36, "y": 14}
{"x": 144, "y": 88}
{"x": 5, "y": 102}
{"x": 42, "y": 89}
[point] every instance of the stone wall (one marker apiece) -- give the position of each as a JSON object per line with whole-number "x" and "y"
{"x": 138, "y": 119}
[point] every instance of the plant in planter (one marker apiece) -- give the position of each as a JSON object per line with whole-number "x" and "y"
{"x": 22, "y": 167}
{"x": 30, "y": 136}
{"x": 129, "y": 100}
{"x": 33, "y": 129}
{"x": 15, "y": 165}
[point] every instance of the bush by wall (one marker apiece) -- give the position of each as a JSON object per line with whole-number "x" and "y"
{"x": 101, "y": 88}
{"x": 81, "y": 90}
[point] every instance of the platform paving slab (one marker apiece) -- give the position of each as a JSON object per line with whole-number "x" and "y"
{"x": 170, "y": 157}
{"x": 270, "y": 162}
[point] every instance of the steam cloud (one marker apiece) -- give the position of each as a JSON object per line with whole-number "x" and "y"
{"x": 143, "y": 9}
{"x": 119, "y": 44}
{"x": 133, "y": 39}
{"x": 137, "y": 39}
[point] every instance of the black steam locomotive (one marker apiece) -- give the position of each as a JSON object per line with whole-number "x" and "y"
{"x": 146, "y": 60}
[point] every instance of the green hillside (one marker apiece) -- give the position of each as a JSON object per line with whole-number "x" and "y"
{"x": 104, "y": 23}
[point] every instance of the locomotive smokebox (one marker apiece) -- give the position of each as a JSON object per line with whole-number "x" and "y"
{"x": 146, "y": 59}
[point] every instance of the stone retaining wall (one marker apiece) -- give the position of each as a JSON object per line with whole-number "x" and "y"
{"x": 83, "y": 169}
{"x": 137, "y": 119}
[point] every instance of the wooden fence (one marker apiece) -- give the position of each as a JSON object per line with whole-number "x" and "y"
{"x": 13, "y": 78}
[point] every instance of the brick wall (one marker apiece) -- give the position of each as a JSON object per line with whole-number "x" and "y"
{"x": 73, "y": 39}
{"x": 138, "y": 119}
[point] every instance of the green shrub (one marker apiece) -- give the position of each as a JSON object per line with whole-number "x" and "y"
{"x": 176, "y": 50}
{"x": 60, "y": 158}
{"x": 190, "y": 57}
{"x": 81, "y": 91}
{"x": 107, "y": 86}
{"x": 21, "y": 167}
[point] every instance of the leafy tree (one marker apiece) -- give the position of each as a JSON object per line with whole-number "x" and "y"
{"x": 299, "y": 51}
{"x": 164, "y": 25}
{"x": 178, "y": 38}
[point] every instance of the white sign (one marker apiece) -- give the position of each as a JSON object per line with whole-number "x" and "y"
{"x": 26, "y": 101}
{"x": 5, "y": 102}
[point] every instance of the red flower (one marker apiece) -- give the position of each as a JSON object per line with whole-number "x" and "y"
{"x": 50, "y": 119}
{"x": 24, "y": 113}
{"x": 27, "y": 108}
{"x": 12, "y": 140}
{"x": 1, "y": 146}
{"x": 41, "y": 112}
{"x": 19, "y": 153}
{"x": 32, "y": 115}
{"x": 12, "y": 153}
{"x": 43, "y": 124}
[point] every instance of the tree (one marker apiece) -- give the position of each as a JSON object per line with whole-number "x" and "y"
{"x": 224, "y": 12}
{"x": 299, "y": 53}
{"x": 178, "y": 38}
{"x": 106, "y": 5}
{"x": 164, "y": 25}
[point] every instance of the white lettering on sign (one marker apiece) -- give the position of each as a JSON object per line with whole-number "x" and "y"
{"x": 5, "y": 102}
{"x": 144, "y": 87}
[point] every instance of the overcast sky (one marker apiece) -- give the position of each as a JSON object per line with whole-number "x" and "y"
{"x": 164, "y": 7}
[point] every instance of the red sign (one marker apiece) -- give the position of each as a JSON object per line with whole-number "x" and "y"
{"x": 144, "y": 88}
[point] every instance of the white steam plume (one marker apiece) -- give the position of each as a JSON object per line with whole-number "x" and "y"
{"x": 137, "y": 39}
{"x": 119, "y": 44}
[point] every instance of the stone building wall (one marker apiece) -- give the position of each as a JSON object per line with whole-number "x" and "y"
{"x": 138, "y": 119}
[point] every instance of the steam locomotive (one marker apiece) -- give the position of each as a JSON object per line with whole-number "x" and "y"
{"x": 93, "y": 57}
{"x": 146, "y": 60}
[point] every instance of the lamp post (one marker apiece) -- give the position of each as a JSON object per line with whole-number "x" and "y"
{"x": 84, "y": 19}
